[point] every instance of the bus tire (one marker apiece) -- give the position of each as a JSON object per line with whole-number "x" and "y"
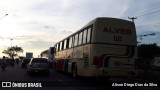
{"x": 55, "y": 66}
{"x": 29, "y": 73}
{"x": 74, "y": 70}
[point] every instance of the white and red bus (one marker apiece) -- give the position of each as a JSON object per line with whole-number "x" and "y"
{"x": 103, "y": 47}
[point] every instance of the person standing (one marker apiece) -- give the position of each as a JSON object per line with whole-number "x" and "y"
{"x": 17, "y": 61}
{"x": 3, "y": 63}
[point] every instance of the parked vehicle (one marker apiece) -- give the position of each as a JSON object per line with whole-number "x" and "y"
{"x": 38, "y": 65}
{"x": 25, "y": 61}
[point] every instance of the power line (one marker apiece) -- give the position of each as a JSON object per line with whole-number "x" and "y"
{"x": 145, "y": 11}
{"x": 149, "y": 13}
{"x": 154, "y": 24}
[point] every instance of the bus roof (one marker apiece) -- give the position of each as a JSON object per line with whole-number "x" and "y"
{"x": 102, "y": 18}
{"x": 92, "y": 22}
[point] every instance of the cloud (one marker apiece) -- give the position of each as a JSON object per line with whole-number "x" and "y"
{"x": 37, "y": 46}
{"x": 49, "y": 27}
{"x": 27, "y": 37}
{"x": 2, "y": 38}
{"x": 48, "y": 21}
{"x": 67, "y": 32}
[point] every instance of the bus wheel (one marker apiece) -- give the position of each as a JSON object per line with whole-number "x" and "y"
{"x": 74, "y": 71}
{"x": 55, "y": 67}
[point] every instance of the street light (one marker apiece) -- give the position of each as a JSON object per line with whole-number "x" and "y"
{"x": 3, "y": 16}
{"x": 11, "y": 42}
{"x": 11, "y": 49}
{"x": 12, "y": 38}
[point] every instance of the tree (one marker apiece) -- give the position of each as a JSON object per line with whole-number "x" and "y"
{"x": 13, "y": 51}
{"x": 148, "y": 50}
{"x": 146, "y": 53}
{"x": 17, "y": 49}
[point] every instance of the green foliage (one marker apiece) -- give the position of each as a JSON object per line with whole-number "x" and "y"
{"x": 148, "y": 50}
{"x": 13, "y": 51}
{"x": 146, "y": 54}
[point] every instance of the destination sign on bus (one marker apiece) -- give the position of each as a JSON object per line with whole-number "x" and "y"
{"x": 117, "y": 30}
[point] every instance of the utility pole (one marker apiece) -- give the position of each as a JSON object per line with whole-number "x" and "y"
{"x": 132, "y": 18}
{"x": 11, "y": 49}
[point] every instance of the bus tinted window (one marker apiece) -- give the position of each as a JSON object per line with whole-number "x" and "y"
{"x": 80, "y": 39}
{"x": 60, "y": 45}
{"x": 67, "y": 43}
{"x": 70, "y": 42}
{"x": 76, "y": 40}
{"x": 89, "y": 35}
{"x": 84, "y": 36}
{"x": 55, "y": 47}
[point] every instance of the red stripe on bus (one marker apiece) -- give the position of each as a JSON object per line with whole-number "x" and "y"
{"x": 60, "y": 64}
{"x": 102, "y": 57}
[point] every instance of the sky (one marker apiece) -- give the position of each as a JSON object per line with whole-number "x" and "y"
{"x": 36, "y": 25}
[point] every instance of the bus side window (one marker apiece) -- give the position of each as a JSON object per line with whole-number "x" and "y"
{"x": 55, "y": 49}
{"x": 67, "y": 43}
{"x": 55, "y": 46}
{"x": 70, "y": 42}
{"x": 60, "y": 46}
{"x": 84, "y": 36}
{"x": 62, "y": 43}
{"x": 76, "y": 40}
{"x": 89, "y": 35}
{"x": 80, "y": 38}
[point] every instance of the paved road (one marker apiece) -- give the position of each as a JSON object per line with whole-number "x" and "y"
{"x": 62, "y": 81}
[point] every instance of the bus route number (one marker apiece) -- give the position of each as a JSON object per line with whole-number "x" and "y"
{"x": 118, "y": 38}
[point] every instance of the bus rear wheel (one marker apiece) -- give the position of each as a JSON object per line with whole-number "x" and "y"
{"x": 55, "y": 66}
{"x": 74, "y": 71}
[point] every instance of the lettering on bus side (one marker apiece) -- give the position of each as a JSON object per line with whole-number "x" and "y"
{"x": 117, "y": 30}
